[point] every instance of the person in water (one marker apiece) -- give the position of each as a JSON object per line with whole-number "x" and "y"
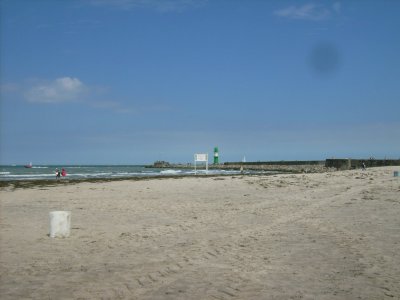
{"x": 58, "y": 174}
{"x": 63, "y": 173}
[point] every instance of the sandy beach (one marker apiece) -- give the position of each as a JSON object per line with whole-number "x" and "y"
{"x": 332, "y": 235}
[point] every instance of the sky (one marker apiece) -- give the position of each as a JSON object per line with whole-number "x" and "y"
{"x": 135, "y": 81}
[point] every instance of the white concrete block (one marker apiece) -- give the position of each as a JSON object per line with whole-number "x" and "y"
{"x": 60, "y": 224}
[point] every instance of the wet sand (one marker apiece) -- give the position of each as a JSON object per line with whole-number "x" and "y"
{"x": 306, "y": 236}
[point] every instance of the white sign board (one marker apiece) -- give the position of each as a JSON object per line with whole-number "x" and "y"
{"x": 201, "y": 157}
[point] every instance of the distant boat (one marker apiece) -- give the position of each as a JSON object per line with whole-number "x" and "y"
{"x": 28, "y": 166}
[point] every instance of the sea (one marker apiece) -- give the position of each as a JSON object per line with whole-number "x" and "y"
{"x": 97, "y": 171}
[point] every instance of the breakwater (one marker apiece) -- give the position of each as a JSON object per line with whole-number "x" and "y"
{"x": 277, "y": 166}
{"x": 314, "y": 166}
{"x": 310, "y": 166}
{"x": 351, "y": 163}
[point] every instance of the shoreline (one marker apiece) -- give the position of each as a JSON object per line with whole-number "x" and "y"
{"x": 32, "y": 183}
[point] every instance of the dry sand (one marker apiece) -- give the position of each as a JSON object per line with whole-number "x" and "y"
{"x": 313, "y": 236}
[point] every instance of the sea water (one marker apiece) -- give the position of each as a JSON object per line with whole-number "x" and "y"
{"x": 95, "y": 171}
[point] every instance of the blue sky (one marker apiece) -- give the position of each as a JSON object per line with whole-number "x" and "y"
{"x": 134, "y": 81}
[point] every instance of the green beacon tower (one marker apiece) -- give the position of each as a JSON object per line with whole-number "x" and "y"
{"x": 216, "y": 156}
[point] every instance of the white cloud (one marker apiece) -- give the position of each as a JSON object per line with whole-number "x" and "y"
{"x": 63, "y": 89}
{"x": 73, "y": 90}
{"x": 309, "y": 11}
{"x": 159, "y": 5}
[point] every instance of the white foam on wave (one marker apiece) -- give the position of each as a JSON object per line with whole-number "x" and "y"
{"x": 40, "y": 167}
{"x": 27, "y": 176}
{"x": 4, "y": 173}
{"x": 91, "y": 174}
{"x": 129, "y": 174}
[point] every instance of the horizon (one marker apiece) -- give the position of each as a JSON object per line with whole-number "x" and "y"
{"x": 102, "y": 82}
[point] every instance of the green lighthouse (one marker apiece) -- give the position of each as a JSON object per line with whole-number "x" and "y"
{"x": 216, "y": 156}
